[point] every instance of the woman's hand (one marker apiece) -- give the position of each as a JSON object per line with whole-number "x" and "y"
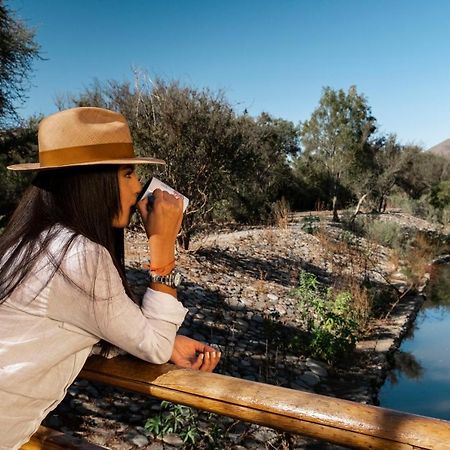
{"x": 162, "y": 225}
{"x": 193, "y": 354}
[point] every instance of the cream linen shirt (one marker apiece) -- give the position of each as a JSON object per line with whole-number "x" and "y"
{"x": 45, "y": 339}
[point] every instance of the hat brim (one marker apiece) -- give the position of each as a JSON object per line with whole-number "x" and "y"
{"x": 28, "y": 167}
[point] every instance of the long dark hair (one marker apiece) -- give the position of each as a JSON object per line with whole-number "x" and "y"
{"x": 83, "y": 199}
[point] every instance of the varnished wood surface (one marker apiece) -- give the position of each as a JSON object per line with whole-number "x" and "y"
{"x": 47, "y": 439}
{"x": 334, "y": 420}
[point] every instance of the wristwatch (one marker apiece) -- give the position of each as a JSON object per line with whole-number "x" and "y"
{"x": 173, "y": 279}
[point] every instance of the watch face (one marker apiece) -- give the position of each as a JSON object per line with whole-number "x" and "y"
{"x": 177, "y": 279}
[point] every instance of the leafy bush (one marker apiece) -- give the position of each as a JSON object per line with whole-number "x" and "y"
{"x": 388, "y": 234}
{"x": 184, "y": 422}
{"x": 329, "y": 320}
{"x": 427, "y": 207}
{"x": 310, "y": 223}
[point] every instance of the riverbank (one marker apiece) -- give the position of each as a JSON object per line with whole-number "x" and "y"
{"x": 238, "y": 289}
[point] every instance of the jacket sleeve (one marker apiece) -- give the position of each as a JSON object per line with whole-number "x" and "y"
{"x": 88, "y": 293}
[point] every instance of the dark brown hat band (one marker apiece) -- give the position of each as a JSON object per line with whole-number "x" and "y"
{"x": 85, "y": 154}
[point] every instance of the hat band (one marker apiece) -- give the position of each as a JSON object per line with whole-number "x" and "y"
{"x": 85, "y": 154}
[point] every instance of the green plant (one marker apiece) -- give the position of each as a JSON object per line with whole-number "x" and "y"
{"x": 388, "y": 234}
{"x": 328, "y": 317}
{"x": 310, "y": 223}
{"x": 184, "y": 422}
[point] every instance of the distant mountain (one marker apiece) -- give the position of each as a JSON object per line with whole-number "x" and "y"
{"x": 442, "y": 149}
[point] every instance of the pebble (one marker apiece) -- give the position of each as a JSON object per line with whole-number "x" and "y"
{"x": 311, "y": 379}
{"x": 317, "y": 369}
{"x": 140, "y": 440}
{"x": 172, "y": 439}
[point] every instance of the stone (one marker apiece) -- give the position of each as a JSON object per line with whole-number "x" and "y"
{"x": 140, "y": 440}
{"x": 155, "y": 446}
{"x": 264, "y": 435}
{"x": 317, "y": 369}
{"x": 172, "y": 439}
{"x": 311, "y": 379}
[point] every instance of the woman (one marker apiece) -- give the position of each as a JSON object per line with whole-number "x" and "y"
{"x": 62, "y": 280}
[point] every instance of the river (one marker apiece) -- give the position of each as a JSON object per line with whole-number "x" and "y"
{"x": 420, "y": 380}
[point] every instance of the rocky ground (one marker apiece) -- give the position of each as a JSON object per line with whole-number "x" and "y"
{"x": 238, "y": 289}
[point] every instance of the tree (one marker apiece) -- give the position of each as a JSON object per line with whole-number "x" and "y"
{"x": 421, "y": 171}
{"x": 17, "y": 145}
{"x": 197, "y": 134}
{"x": 388, "y": 170}
{"x": 18, "y": 49}
{"x": 339, "y": 137}
{"x": 272, "y": 142}
{"x": 195, "y": 131}
{"x": 229, "y": 166}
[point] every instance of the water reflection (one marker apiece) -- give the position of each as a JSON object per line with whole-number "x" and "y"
{"x": 406, "y": 364}
{"x": 420, "y": 381}
{"x": 438, "y": 291}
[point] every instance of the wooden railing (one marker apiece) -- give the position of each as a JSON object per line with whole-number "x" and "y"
{"x": 47, "y": 439}
{"x": 334, "y": 420}
{"x": 330, "y": 419}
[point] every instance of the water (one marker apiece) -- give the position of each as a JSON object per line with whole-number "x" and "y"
{"x": 420, "y": 382}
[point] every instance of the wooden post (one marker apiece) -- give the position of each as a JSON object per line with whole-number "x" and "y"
{"x": 330, "y": 419}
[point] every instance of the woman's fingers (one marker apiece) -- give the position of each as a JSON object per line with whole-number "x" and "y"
{"x": 210, "y": 360}
{"x": 198, "y": 362}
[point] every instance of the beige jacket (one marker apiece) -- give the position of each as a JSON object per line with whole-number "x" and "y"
{"x": 44, "y": 342}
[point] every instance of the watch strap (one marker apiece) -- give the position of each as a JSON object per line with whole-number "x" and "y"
{"x": 173, "y": 279}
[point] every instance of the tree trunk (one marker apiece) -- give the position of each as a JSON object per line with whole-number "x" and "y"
{"x": 335, "y": 211}
{"x": 358, "y": 206}
{"x": 380, "y": 204}
{"x": 184, "y": 240}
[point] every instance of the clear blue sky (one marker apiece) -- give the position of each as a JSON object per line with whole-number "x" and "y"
{"x": 272, "y": 56}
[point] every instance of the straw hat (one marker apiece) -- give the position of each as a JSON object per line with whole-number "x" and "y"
{"x": 83, "y": 137}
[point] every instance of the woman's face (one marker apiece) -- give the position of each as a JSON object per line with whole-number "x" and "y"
{"x": 129, "y": 189}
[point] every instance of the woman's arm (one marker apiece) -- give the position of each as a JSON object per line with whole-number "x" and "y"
{"x": 162, "y": 226}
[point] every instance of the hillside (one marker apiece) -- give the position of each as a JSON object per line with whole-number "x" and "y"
{"x": 443, "y": 149}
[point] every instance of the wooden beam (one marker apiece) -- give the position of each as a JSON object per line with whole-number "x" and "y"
{"x": 48, "y": 439}
{"x": 330, "y": 419}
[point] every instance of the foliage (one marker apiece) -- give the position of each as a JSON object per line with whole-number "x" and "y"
{"x": 423, "y": 207}
{"x": 18, "y": 49}
{"x": 229, "y": 166}
{"x": 440, "y": 199}
{"x": 310, "y": 223}
{"x": 339, "y": 138}
{"x": 388, "y": 234}
{"x": 17, "y": 145}
{"x": 328, "y": 319}
{"x": 184, "y": 422}
{"x": 271, "y": 143}
{"x": 421, "y": 171}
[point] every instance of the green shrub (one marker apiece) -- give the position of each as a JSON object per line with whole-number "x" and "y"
{"x": 328, "y": 317}
{"x": 184, "y": 422}
{"x": 428, "y": 206}
{"x": 310, "y": 224}
{"x": 388, "y": 234}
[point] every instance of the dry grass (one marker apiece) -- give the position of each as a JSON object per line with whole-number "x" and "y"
{"x": 261, "y": 285}
{"x": 350, "y": 262}
{"x": 280, "y": 213}
{"x": 417, "y": 259}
